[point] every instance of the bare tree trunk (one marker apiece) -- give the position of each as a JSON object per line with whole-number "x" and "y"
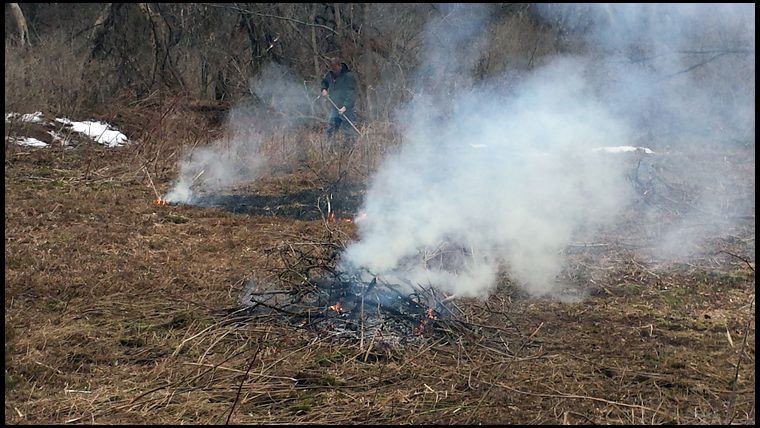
{"x": 100, "y": 28}
{"x": 157, "y": 38}
{"x": 204, "y": 77}
{"x": 338, "y": 26}
{"x": 252, "y": 39}
{"x": 23, "y": 29}
{"x": 221, "y": 84}
{"x": 312, "y": 19}
{"x": 365, "y": 43}
{"x": 161, "y": 40}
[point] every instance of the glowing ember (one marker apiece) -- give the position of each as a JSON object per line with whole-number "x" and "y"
{"x": 420, "y": 328}
{"x": 160, "y": 201}
{"x": 332, "y": 218}
{"x": 348, "y": 306}
{"x": 337, "y": 308}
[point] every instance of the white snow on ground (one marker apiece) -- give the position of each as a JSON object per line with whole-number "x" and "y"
{"x": 35, "y": 117}
{"x": 622, "y": 149}
{"x": 618, "y": 149}
{"x": 29, "y": 141}
{"x": 98, "y": 131}
{"x": 102, "y": 133}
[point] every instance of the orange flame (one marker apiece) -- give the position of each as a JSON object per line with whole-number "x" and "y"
{"x": 421, "y": 328}
{"x": 337, "y": 308}
{"x": 160, "y": 201}
{"x": 332, "y": 218}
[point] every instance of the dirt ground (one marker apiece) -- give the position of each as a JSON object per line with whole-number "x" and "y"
{"x": 118, "y": 310}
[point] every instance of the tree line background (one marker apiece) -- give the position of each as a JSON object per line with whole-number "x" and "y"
{"x": 69, "y": 57}
{"x": 104, "y": 58}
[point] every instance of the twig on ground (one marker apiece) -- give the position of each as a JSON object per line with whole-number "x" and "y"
{"x": 752, "y": 268}
{"x": 151, "y": 182}
{"x": 242, "y": 380}
{"x": 735, "y": 381}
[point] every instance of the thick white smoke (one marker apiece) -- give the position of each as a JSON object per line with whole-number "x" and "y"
{"x": 683, "y": 76}
{"x": 282, "y": 103}
{"x": 507, "y": 180}
{"x": 497, "y": 175}
{"x": 223, "y": 163}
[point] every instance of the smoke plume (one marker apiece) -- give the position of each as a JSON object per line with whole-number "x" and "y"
{"x": 280, "y": 102}
{"x": 500, "y": 175}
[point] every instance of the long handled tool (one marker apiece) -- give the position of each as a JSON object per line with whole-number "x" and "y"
{"x": 342, "y": 114}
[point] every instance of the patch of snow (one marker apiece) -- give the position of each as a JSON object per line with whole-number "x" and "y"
{"x": 29, "y": 141}
{"x": 98, "y": 131}
{"x": 35, "y": 117}
{"x": 623, "y": 149}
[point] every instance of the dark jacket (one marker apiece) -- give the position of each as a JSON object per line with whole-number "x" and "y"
{"x": 342, "y": 88}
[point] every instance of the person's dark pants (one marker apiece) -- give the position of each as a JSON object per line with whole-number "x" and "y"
{"x": 337, "y": 122}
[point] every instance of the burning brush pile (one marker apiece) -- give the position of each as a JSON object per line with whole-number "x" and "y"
{"x": 375, "y": 312}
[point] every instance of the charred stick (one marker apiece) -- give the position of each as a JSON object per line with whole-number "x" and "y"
{"x": 325, "y": 318}
{"x": 399, "y": 314}
{"x": 361, "y": 321}
{"x": 407, "y": 299}
{"x": 240, "y": 387}
{"x": 440, "y": 304}
{"x": 263, "y": 293}
{"x": 285, "y": 311}
{"x": 370, "y": 287}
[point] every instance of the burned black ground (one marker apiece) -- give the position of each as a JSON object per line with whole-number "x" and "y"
{"x": 309, "y": 204}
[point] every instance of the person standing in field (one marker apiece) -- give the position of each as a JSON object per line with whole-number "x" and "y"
{"x": 340, "y": 85}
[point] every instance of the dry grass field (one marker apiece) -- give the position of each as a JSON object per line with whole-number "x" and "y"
{"x": 118, "y": 310}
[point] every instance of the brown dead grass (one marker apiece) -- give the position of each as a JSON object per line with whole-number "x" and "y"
{"x": 116, "y": 313}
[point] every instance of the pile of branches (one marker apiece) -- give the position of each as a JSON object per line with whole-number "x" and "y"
{"x": 303, "y": 286}
{"x": 348, "y": 307}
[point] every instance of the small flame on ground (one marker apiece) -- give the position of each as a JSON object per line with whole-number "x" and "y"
{"x": 332, "y": 218}
{"x": 421, "y": 328}
{"x": 337, "y": 308}
{"x": 160, "y": 201}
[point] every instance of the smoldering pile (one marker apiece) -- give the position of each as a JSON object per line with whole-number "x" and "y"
{"x": 374, "y": 311}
